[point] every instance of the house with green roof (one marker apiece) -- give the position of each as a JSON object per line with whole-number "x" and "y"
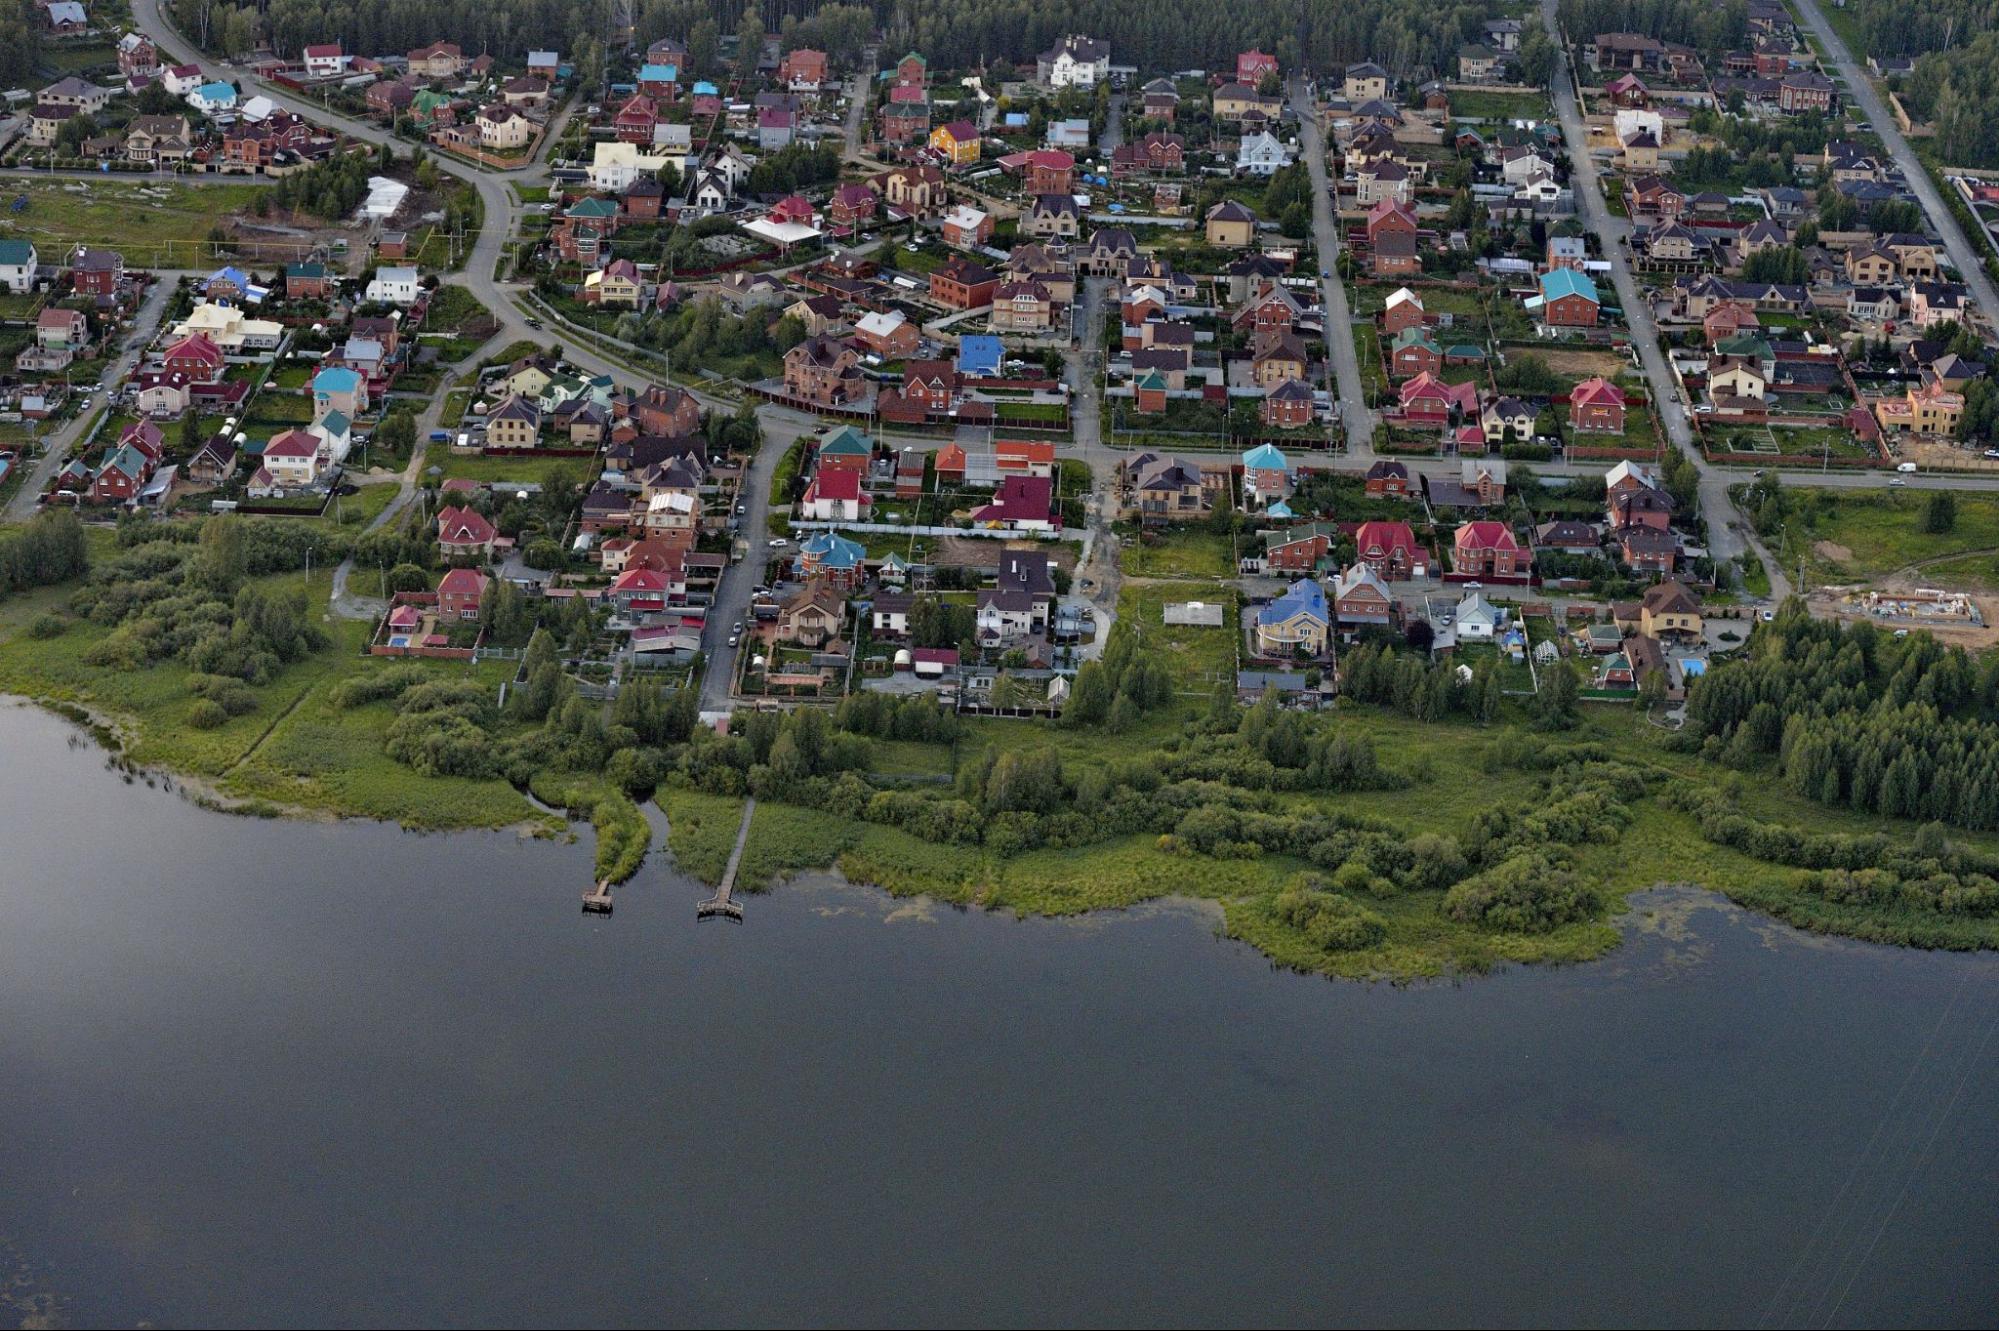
{"x": 18, "y": 263}
{"x": 1568, "y": 299}
{"x": 1266, "y": 475}
{"x": 1414, "y": 352}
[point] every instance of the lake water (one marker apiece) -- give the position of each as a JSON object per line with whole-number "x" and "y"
{"x": 287, "y": 1073}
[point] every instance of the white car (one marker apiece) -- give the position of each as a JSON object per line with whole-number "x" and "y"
{"x": 734, "y": 639}
{"x": 778, "y": 542}
{"x": 1896, "y": 480}
{"x": 1474, "y": 586}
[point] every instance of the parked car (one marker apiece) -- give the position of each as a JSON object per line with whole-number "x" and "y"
{"x": 1907, "y": 467}
{"x": 778, "y": 542}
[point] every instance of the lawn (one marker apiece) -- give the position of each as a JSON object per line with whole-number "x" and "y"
{"x": 1862, "y": 533}
{"x": 1200, "y": 656}
{"x": 154, "y": 225}
{"x": 1500, "y": 105}
{"x": 1182, "y": 552}
{"x": 478, "y": 467}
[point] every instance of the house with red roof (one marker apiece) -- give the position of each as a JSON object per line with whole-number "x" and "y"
{"x": 1023, "y": 503}
{"x": 950, "y": 465}
{"x": 852, "y": 205}
{"x": 1390, "y": 549}
{"x": 1428, "y": 400}
{"x": 1597, "y": 405}
{"x": 834, "y": 495}
{"x": 1025, "y": 457}
{"x": 803, "y": 70}
{"x": 635, "y": 120}
{"x": 1487, "y": 548}
{"x": 460, "y": 592}
{"x": 194, "y": 358}
{"x": 1050, "y": 171}
{"x": 464, "y": 533}
{"x": 793, "y": 208}
{"x": 1252, "y": 65}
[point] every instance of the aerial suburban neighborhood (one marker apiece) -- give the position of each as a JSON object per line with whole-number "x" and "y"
{"x": 1410, "y": 476}
{"x": 1402, "y": 490}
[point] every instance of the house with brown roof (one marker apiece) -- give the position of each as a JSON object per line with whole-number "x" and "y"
{"x": 824, "y": 370}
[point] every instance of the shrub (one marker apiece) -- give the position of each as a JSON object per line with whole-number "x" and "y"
{"x": 1332, "y": 921}
{"x": 47, "y": 626}
{"x": 1528, "y": 893}
{"x": 206, "y": 714}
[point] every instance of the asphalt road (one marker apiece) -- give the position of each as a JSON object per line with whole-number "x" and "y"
{"x": 69, "y": 433}
{"x": 1728, "y": 534}
{"x": 1338, "y": 316}
{"x": 1955, "y": 242}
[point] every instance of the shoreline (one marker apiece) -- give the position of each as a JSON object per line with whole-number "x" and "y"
{"x": 1105, "y": 876}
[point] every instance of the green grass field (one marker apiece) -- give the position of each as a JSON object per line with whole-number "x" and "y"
{"x": 1198, "y": 655}
{"x": 149, "y": 223}
{"x": 1880, "y": 532}
{"x": 1180, "y": 552}
{"x": 1501, "y": 105}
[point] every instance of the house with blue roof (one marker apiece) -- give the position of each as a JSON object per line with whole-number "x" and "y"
{"x": 1266, "y": 475}
{"x": 832, "y": 556}
{"x": 1296, "y": 623}
{"x": 1568, "y": 299}
{"x": 229, "y": 284}
{"x": 659, "y": 80}
{"x": 981, "y": 356}
{"x": 213, "y": 98}
{"x": 339, "y": 389}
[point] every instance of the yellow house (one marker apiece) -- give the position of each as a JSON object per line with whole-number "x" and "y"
{"x": 1930, "y": 409}
{"x": 617, "y": 285}
{"x": 957, "y": 141}
{"x": 526, "y": 381}
{"x": 1230, "y": 225}
{"x": 1669, "y": 611}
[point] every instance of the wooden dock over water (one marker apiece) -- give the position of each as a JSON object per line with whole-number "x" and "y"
{"x": 597, "y": 901}
{"x": 723, "y": 902}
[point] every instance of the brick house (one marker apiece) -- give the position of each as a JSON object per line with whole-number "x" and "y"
{"x": 1288, "y": 406}
{"x": 1487, "y": 548}
{"x": 1389, "y": 548}
{"x": 1597, "y": 405}
{"x": 823, "y": 370}
{"x": 962, "y": 284}
{"x": 1388, "y": 480}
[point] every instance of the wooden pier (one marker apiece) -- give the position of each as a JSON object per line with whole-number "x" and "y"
{"x": 597, "y": 901}
{"x": 723, "y": 902}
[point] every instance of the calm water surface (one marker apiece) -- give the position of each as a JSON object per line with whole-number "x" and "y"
{"x": 282, "y": 1073}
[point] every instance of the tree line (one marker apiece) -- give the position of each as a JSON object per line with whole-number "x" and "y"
{"x": 1903, "y": 727}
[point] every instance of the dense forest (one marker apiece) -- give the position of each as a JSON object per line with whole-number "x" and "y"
{"x": 1410, "y": 37}
{"x": 1895, "y": 27}
{"x": 21, "y": 28}
{"x": 1701, "y": 24}
{"x": 1898, "y": 726}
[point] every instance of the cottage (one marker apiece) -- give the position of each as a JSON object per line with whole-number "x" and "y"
{"x": 1296, "y": 623}
{"x": 1487, "y": 549}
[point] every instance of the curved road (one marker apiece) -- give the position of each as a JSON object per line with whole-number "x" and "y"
{"x": 1955, "y": 243}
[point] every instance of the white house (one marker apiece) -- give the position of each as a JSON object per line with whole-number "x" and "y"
{"x": 1477, "y": 619}
{"x": 324, "y": 61}
{"x": 614, "y": 166}
{"x": 292, "y": 458}
{"x": 1261, "y": 155}
{"x": 1074, "y": 62}
{"x": 395, "y": 286}
{"x": 1005, "y": 614}
{"x": 180, "y": 80}
{"x": 17, "y": 265}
